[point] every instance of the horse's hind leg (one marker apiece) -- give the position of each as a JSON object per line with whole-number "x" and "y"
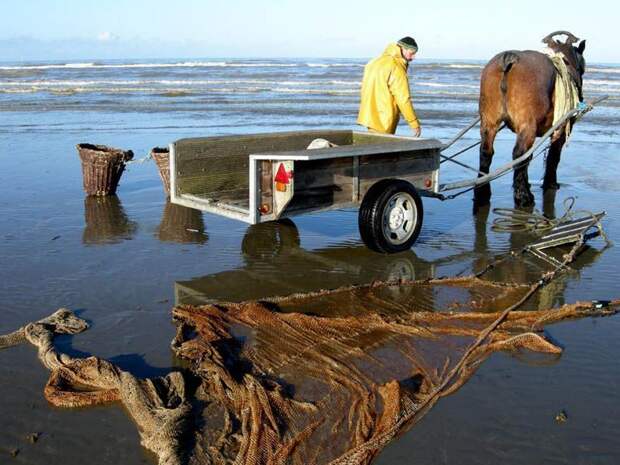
{"x": 482, "y": 194}
{"x": 553, "y": 159}
{"x": 523, "y": 196}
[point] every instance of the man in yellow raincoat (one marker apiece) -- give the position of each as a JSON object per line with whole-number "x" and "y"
{"x": 385, "y": 90}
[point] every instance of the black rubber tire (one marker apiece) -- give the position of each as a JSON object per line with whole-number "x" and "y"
{"x": 372, "y": 210}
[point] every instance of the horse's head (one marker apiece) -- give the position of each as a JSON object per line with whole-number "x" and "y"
{"x": 573, "y": 55}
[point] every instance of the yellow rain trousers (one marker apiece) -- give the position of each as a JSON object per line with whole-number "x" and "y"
{"x": 385, "y": 93}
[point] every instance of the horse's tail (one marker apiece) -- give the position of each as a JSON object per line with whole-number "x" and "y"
{"x": 506, "y": 61}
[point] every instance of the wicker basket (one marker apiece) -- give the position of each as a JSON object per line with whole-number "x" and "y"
{"x": 102, "y": 167}
{"x": 182, "y": 225}
{"x": 105, "y": 221}
{"x": 162, "y": 159}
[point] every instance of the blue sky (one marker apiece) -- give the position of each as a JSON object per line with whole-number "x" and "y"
{"x": 86, "y": 29}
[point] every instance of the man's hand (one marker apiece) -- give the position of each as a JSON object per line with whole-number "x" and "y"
{"x": 417, "y": 132}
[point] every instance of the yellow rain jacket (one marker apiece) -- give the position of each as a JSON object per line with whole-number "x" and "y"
{"x": 385, "y": 93}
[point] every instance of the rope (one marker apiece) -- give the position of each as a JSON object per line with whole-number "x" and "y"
{"x": 460, "y": 152}
{"x": 568, "y": 258}
{"x": 488, "y": 181}
{"x": 139, "y": 161}
{"x": 515, "y": 220}
{"x": 527, "y": 157}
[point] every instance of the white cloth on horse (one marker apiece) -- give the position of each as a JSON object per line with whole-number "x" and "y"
{"x": 566, "y": 95}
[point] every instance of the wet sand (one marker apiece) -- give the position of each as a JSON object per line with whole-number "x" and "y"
{"x": 123, "y": 265}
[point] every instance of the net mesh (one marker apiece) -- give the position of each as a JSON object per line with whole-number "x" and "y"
{"x": 326, "y": 377}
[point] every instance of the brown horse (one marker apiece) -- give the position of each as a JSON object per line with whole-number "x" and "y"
{"x": 517, "y": 89}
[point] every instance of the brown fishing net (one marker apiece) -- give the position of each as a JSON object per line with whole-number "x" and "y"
{"x": 329, "y": 377}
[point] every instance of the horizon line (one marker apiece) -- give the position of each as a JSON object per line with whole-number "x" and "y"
{"x": 94, "y": 60}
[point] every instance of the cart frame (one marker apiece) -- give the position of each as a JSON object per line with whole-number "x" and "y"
{"x": 414, "y": 160}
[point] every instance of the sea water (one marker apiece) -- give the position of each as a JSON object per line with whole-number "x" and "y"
{"x": 124, "y": 262}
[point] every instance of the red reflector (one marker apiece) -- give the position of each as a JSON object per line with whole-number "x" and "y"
{"x": 282, "y": 176}
{"x": 428, "y": 183}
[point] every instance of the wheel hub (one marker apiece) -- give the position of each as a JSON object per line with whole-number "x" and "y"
{"x": 397, "y": 218}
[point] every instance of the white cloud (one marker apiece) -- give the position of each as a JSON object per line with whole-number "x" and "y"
{"x": 106, "y": 36}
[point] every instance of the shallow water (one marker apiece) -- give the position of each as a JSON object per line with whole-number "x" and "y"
{"x": 122, "y": 263}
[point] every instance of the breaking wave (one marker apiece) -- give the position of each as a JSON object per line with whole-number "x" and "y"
{"x": 601, "y": 82}
{"x": 333, "y": 65}
{"x": 184, "y": 82}
{"x": 187, "y": 64}
{"x": 603, "y": 70}
{"x": 438, "y": 84}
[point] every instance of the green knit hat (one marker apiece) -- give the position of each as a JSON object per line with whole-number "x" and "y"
{"x": 408, "y": 43}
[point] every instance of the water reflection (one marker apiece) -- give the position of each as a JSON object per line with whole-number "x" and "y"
{"x": 182, "y": 225}
{"x": 276, "y": 264}
{"x": 549, "y": 203}
{"x": 525, "y": 268}
{"x": 105, "y": 221}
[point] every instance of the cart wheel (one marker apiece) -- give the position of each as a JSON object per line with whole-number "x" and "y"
{"x": 390, "y": 217}
{"x": 268, "y": 240}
